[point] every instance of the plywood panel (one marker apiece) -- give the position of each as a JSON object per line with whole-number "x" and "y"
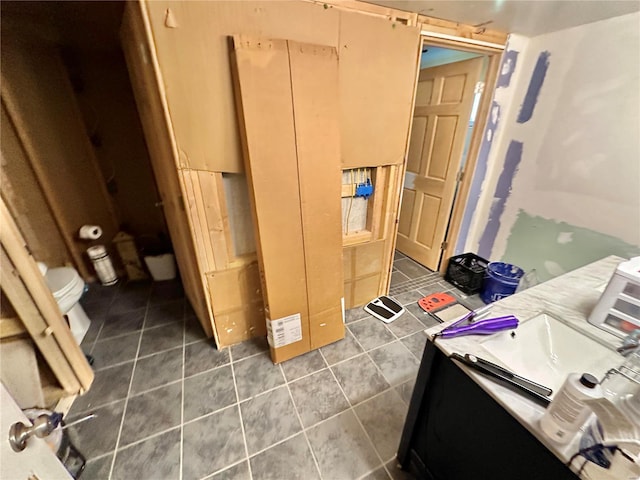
{"x": 314, "y": 81}
{"x": 374, "y": 105}
{"x": 238, "y": 308}
{"x": 365, "y": 290}
{"x": 194, "y": 58}
{"x": 264, "y": 85}
{"x": 239, "y": 210}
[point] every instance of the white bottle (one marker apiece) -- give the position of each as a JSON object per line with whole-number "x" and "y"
{"x": 568, "y": 412}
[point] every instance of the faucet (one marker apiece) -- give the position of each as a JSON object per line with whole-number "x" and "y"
{"x": 630, "y": 344}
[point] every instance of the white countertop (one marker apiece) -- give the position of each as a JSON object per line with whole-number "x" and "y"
{"x": 570, "y": 298}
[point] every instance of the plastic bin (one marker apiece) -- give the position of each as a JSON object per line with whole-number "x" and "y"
{"x": 161, "y": 267}
{"x": 466, "y": 272}
{"x": 501, "y": 280}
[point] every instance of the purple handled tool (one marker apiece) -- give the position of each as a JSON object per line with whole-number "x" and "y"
{"x": 483, "y": 327}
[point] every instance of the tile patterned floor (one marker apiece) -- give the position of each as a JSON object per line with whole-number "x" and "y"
{"x": 170, "y": 405}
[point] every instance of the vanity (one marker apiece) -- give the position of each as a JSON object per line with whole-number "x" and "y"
{"x": 462, "y": 425}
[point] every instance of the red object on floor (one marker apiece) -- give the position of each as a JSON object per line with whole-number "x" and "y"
{"x": 436, "y": 301}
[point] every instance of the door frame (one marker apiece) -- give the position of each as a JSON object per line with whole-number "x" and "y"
{"x": 493, "y": 52}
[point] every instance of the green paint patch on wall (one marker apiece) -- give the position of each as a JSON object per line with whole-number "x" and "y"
{"x": 553, "y": 248}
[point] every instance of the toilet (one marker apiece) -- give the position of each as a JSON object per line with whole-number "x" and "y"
{"x": 67, "y": 288}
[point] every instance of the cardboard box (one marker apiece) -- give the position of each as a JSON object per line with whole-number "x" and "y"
{"x": 287, "y": 96}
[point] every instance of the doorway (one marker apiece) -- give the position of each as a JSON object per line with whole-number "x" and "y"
{"x": 447, "y": 122}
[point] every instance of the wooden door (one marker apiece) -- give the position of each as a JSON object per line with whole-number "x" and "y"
{"x": 440, "y": 121}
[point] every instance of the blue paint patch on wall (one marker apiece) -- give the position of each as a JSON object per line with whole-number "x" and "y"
{"x": 507, "y": 68}
{"x": 479, "y": 174}
{"x": 535, "y": 85}
{"x": 503, "y": 189}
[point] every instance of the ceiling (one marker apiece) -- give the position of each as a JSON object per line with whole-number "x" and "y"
{"x": 525, "y": 17}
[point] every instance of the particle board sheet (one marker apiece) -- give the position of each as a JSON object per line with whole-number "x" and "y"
{"x": 378, "y": 62}
{"x": 293, "y": 166}
{"x": 236, "y": 298}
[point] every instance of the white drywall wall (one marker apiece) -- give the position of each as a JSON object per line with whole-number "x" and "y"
{"x": 581, "y": 147}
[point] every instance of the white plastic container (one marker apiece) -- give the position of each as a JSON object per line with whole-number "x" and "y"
{"x": 102, "y": 264}
{"x": 568, "y": 412}
{"x": 161, "y": 267}
{"x": 618, "y": 310}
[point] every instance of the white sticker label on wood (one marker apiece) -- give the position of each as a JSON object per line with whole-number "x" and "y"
{"x": 284, "y": 331}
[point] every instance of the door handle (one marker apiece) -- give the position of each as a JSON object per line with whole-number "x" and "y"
{"x": 43, "y": 425}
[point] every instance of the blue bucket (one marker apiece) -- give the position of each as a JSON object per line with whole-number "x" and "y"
{"x": 501, "y": 280}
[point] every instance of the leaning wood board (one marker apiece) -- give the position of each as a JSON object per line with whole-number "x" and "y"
{"x": 293, "y": 164}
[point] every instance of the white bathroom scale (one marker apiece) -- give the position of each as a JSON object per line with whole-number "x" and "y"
{"x": 384, "y": 308}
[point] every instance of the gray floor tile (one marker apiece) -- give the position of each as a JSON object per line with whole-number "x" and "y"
{"x": 97, "y": 309}
{"x": 291, "y": 460}
{"x": 155, "y": 458}
{"x": 342, "y": 448}
{"x": 396, "y": 363}
{"x": 406, "y": 298}
{"x": 204, "y": 355}
{"x": 256, "y": 374}
{"x": 98, "y": 469}
{"x": 354, "y": 314}
{"x": 435, "y": 287}
{"x": 115, "y": 350}
{"x": 109, "y": 385}
{"x": 303, "y": 365}
{"x": 383, "y": 419}
{"x": 396, "y": 472}
{"x": 207, "y": 392}
{"x": 116, "y": 324}
{"x": 131, "y": 297}
{"x": 359, "y": 378}
{"x": 94, "y": 329}
{"x": 249, "y": 347}
{"x": 268, "y": 419}
{"x": 212, "y": 443}
{"x": 405, "y": 390}
{"x": 193, "y": 330}
{"x": 342, "y": 349}
{"x": 426, "y": 319}
{"x": 237, "y": 472}
{"x": 378, "y": 474}
{"x": 161, "y": 338}
{"x": 371, "y": 333}
{"x": 398, "y": 278}
{"x": 166, "y": 291}
{"x": 172, "y": 312}
{"x": 410, "y": 268}
{"x": 398, "y": 255}
{"x": 97, "y": 436}
{"x": 317, "y": 397}
{"x": 157, "y": 370}
{"x": 152, "y": 412}
{"x": 405, "y": 325}
{"x": 97, "y": 292}
{"x": 415, "y": 343}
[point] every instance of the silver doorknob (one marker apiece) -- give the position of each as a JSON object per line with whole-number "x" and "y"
{"x": 42, "y": 426}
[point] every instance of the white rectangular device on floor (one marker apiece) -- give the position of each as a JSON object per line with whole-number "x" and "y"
{"x": 384, "y": 308}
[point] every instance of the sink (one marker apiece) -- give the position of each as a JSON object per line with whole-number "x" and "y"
{"x": 546, "y": 350}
